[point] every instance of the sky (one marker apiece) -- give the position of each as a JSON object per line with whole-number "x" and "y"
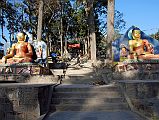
{"x": 141, "y": 13}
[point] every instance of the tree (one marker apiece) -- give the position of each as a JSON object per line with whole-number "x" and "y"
{"x": 91, "y": 26}
{"x": 40, "y": 19}
{"x": 9, "y": 18}
{"x": 155, "y": 35}
{"x": 110, "y": 26}
{"x": 80, "y": 21}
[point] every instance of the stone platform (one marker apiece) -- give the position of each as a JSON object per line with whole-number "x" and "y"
{"x": 24, "y": 90}
{"x": 139, "y": 70}
{"x": 21, "y": 71}
{"x": 22, "y": 101}
{"x": 141, "y": 65}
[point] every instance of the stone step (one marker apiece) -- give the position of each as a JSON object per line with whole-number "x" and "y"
{"x": 78, "y": 81}
{"x": 84, "y": 97}
{"x": 87, "y": 94}
{"x": 91, "y": 107}
{"x": 79, "y": 72}
{"x": 83, "y": 88}
{"x": 82, "y": 69}
{"x": 86, "y": 100}
{"x": 79, "y": 77}
{"x": 94, "y": 115}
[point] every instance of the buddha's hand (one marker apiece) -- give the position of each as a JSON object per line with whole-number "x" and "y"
{"x": 4, "y": 60}
{"x": 18, "y": 56}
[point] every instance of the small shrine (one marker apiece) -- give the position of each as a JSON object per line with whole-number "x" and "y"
{"x": 136, "y": 51}
{"x": 21, "y": 61}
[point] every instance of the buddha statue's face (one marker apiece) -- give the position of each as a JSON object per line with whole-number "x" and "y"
{"x": 136, "y": 34}
{"x": 20, "y": 37}
{"x": 123, "y": 49}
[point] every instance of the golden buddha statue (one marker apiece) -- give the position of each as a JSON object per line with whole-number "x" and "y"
{"x": 20, "y": 52}
{"x": 140, "y": 48}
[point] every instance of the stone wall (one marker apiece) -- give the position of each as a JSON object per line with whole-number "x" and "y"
{"x": 143, "y": 97}
{"x": 22, "y": 102}
{"x": 43, "y": 97}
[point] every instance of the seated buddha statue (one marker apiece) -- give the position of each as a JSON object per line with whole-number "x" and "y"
{"x": 140, "y": 48}
{"x": 20, "y": 52}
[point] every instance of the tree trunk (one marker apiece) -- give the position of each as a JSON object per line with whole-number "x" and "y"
{"x": 85, "y": 46}
{"x": 47, "y": 50}
{"x": 1, "y": 14}
{"x": 40, "y": 20}
{"x": 110, "y": 27}
{"x": 61, "y": 30}
{"x": 91, "y": 24}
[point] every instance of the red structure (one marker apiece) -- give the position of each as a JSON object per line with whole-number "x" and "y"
{"x": 74, "y": 45}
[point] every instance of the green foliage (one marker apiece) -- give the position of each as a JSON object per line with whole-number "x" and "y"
{"x": 9, "y": 16}
{"x": 74, "y": 42}
{"x": 155, "y": 35}
{"x": 100, "y": 10}
{"x": 154, "y": 116}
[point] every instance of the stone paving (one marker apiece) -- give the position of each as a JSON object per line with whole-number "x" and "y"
{"x": 70, "y": 115}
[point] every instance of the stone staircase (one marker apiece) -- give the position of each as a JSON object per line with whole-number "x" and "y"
{"x": 88, "y": 98}
{"x": 78, "y": 99}
{"x": 80, "y": 74}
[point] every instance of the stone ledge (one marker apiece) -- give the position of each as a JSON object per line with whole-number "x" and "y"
{"x": 142, "y": 96}
{"x": 24, "y": 68}
{"x": 17, "y": 85}
{"x": 138, "y": 81}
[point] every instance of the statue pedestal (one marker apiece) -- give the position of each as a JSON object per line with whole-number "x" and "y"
{"x": 26, "y": 97}
{"x": 138, "y": 69}
{"x": 19, "y": 72}
{"x": 141, "y": 65}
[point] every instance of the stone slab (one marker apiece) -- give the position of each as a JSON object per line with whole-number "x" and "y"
{"x": 4, "y": 85}
{"x": 118, "y": 115}
{"x": 138, "y": 81}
